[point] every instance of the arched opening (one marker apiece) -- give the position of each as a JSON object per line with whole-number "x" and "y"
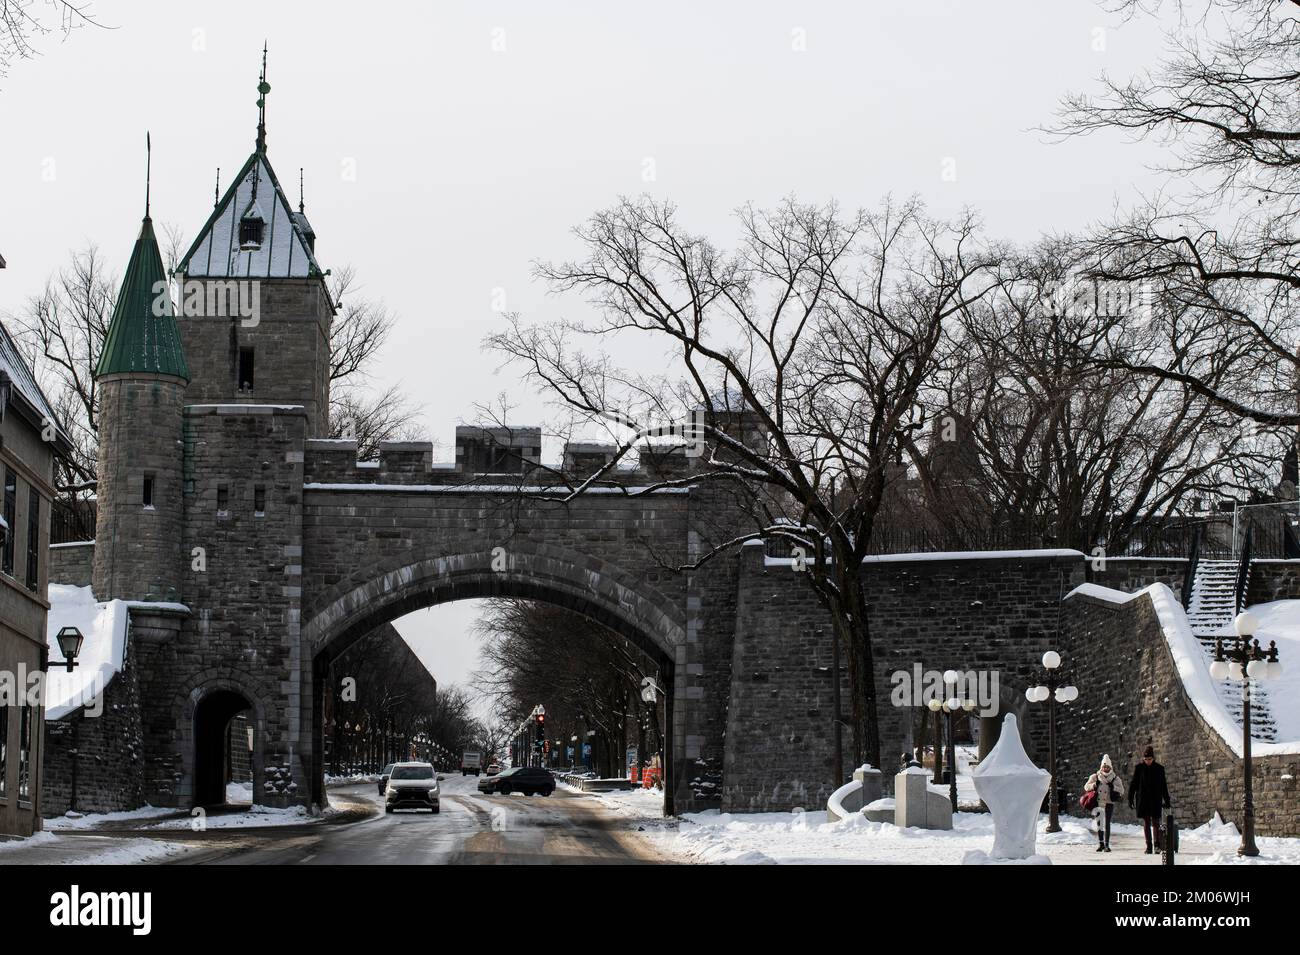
{"x": 628, "y": 612}
{"x": 223, "y": 746}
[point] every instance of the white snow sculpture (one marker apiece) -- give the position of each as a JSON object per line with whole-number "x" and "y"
{"x": 1013, "y": 788}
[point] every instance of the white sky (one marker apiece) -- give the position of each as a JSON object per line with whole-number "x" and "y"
{"x": 470, "y": 160}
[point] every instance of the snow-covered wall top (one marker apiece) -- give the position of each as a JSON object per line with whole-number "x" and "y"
{"x": 1190, "y": 662}
{"x": 949, "y": 555}
{"x": 103, "y": 625}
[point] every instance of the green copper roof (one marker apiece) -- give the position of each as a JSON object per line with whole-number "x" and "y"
{"x": 140, "y": 341}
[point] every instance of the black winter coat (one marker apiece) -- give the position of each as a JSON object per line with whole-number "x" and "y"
{"x": 1148, "y": 793}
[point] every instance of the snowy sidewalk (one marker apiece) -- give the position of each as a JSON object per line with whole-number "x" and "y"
{"x": 807, "y": 838}
{"x": 77, "y": 848}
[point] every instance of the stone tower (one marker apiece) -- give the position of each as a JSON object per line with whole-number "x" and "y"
{"x": 142, "y": 377}
{"x": 255, "y": 307}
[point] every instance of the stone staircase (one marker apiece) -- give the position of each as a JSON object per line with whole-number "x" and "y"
{"x": 1210, "y": 612}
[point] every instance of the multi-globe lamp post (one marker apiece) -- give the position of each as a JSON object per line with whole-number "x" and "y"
{"x": 1245, "y": 660}
{"x": 1054, "y": 689}
{"x": 951, "y": 706}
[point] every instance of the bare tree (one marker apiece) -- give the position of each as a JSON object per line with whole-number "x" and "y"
{"x": 1043, "y": 438}
{"x": 805, "y": 353}
{"x": 1221, "y": 241}
{"x": 22, "y": 21}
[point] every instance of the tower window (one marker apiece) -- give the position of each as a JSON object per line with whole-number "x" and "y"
{"x": 223, "y": 500}
{"x": 259, "y": 501}
{"x": 147, "y": 496}
{"x": 251, "y": 230}
{"x": 245, "y": 380}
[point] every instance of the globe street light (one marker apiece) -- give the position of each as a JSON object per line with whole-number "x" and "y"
{"x": 1055, "y": 688}
{"x": 1245, "y": 661}
{"x": 951, "y": 707}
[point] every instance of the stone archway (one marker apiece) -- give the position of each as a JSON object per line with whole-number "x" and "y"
{"x": 634, "y": 610}
{"x": 212, "y": 716}
{"x": 204, "y": 711}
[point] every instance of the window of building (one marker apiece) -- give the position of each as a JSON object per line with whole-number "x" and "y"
{"x": 4, "y": 749}
{"x": 24, "y": 751}
{"x": 11, "y": 519}
{"x": 33, "y": 538}
{"x": 251, "y": 230}
{"x": 147, "y": 496}
{"x": 245, "y": 380}
{"x": 223, "y": 500}
{"x": 259, "y": 501}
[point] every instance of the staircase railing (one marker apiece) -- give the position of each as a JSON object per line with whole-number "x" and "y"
{"x": 1193, "y": 558}
{"x": 1243, "y": 572}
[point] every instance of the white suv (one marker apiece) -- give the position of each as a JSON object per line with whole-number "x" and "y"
{"x": 411, "y": 786}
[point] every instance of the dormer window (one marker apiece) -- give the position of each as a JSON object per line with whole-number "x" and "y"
{"x": 251, "y": 229}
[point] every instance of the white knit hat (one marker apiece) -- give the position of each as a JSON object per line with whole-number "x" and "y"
{"x": 1105, "y": 760}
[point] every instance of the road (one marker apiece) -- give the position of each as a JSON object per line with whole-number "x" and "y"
{"x": 471, "y": 829}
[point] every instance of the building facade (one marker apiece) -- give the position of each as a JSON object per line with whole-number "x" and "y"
{"x": 29, "y": 441}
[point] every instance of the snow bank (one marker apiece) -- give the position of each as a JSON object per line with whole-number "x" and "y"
{"x": 102, "y": 653}
{"x": 1194, "y": 669}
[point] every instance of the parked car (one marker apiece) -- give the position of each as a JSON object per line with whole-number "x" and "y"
{"x": 493, "y": 769}
{"x": 383, "y": 777}
{"x": 471, "y": 762}
{"x": 411, "y": 786}
{"x": 529, "y": 780}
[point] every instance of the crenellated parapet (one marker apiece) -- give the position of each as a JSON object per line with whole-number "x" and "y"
{"x": 489, "y": 457}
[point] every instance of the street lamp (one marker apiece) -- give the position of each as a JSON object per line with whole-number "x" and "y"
{"x": 70, "y": 640}
{"x": 1055, "y": 688}
{"x": 950, "y": 706}
{"x": 1245, "y": 661}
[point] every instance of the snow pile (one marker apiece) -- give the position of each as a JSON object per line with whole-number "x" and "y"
{"x": 102, "y": 653}
{"x": 1193, "y": 666}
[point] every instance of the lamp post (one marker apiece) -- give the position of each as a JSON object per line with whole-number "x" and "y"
{"x": 950, "y": 706}
{"x": 1055, "y": 688}
{"x": 1246, "y": 661}
{"x": 70, "y": 640}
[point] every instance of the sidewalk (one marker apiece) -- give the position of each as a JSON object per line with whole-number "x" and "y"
{"x": 82, "y": 848}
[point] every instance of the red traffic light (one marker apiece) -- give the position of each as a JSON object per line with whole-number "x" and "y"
{"x": 540, "y": 719}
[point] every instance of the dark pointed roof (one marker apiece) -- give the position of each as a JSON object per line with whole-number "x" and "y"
{"x": 143, "y": 337}
{"x": 285, "y": 251}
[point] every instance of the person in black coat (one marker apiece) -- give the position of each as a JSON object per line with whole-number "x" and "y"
{"x": 1148, "y": 795}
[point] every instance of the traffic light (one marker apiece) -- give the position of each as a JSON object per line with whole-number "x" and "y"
{"x": 541, "y": 728}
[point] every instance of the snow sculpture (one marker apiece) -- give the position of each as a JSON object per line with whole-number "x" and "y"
{"x": 1013, "y": 788}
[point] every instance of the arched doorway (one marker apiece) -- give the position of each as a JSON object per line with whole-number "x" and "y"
{"x": 631, "y": 610}
{"x": 216, "y": 752}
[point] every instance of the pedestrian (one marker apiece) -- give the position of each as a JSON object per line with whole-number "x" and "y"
{"x": 1148, "y": 796}
{"x": 1105, "y": 782}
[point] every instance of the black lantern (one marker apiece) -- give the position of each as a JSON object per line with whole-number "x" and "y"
{"x": 70, "y": 640}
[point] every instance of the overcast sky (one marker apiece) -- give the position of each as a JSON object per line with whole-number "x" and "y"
{"x": 447, "y": 145}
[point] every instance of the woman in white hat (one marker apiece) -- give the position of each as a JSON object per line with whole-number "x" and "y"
{"x": 1105, "y": 782}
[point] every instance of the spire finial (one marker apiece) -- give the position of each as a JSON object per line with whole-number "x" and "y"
{"x": 216, "y": 190}
{"x": 301, "y": 209}
{"x": 148, "y": 170}
{"x": 263, "y": 87}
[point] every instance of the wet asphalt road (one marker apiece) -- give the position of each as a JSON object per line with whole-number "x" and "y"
{"x": 472, "y": 829}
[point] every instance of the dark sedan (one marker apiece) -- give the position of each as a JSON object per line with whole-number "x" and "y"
{"x": 529, "y": 780}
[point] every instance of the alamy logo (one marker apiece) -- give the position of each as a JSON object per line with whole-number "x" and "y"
{"x": 233, "y": 298}
{"x": 75, "y": 908}
{"x": 31, "y": 688}
{"x": 917, "y": 687}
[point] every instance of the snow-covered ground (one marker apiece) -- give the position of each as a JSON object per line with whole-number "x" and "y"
{"x": 807, "y": 838}
{"x": 54, "y": 848}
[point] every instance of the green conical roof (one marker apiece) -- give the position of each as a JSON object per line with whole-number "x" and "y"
{"x": 140, "y": 341}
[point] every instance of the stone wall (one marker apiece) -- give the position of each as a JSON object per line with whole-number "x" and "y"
{"x": 974, "y": 613}
{"x": 72, "y": 564}
{"x": 1131, "y": 574}
{"x": 1273, "y": 580}
{"x": 107, "y": 750}
{"x": 1130, "y": 695}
